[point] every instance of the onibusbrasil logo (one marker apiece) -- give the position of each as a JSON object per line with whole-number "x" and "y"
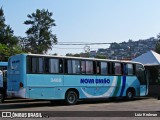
{"x": 22, "y": 115}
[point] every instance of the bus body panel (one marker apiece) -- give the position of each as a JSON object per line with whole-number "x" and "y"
{"x": 16, "y": 74}
{"x": 43, "y": 86}
{"x": 116, "y": 87}
{"x": 55, "y": 88}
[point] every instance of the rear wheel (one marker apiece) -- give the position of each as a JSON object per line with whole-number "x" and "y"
{"x": 130, "y": 94}
{"x": 71, "y": 97}
{"x": 1, "y": 97}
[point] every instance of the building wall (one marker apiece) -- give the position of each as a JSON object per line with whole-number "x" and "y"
{"x": 153, "y": 76}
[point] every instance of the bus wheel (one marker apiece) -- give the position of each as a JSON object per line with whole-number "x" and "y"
{"x": 71, "y": 98}
{"x": 158, "y": 97}
{"x": 130, "y": 94}
{"x": 1, "y": 97}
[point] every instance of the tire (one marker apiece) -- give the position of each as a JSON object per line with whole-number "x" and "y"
{"x": 1, "y": 97}
{"x": 130, "y": 94}
{"x": 158, "y": 98}
{"x": 71, "y": 97}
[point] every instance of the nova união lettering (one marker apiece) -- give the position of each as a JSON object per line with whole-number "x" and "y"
{"x": 92, "y": 81}
{"x": 102, "y": 81}
{"x": 86, "y": 81}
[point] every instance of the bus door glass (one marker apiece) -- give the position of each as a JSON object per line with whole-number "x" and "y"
{"x": 141, "y": 75}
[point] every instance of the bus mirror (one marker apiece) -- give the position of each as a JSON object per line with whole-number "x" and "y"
{"x": 140, "y": 70}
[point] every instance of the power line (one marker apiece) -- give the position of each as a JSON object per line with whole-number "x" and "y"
{"x": 85, "y": 44}
{"x": 79, "y": 43}
{"x": 66, "y": 48}
{"x": 70, "y": 48}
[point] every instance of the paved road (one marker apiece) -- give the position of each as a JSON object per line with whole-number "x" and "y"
{"x": 140, "y": 105}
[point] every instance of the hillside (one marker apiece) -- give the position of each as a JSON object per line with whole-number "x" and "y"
{"x": 126, "y": 50}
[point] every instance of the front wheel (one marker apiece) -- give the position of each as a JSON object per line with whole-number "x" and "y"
{"x": 130, "y": 94}
{"x": 71, "y": 97}
{"x": 1, "y": 97}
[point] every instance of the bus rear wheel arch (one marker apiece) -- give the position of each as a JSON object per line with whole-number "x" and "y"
{"x": 130, "y": 94}
{"x": 71, "y": 96}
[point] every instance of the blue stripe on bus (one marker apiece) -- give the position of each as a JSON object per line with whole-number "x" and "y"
{"x": 123, "y": 85}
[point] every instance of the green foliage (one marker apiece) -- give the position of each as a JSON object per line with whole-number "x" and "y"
{"x": 157, "y": 47}
{"x": 8, "y": 42}
{"x": 6, "y": 33}
{"x": 115, "y": 46}
{"x": 39, "y": 36}
{"x": 73, "y": 55}
{"x": 6, "y": 52}
{"x": 101, "y": 57}
{"x": 2, "y": 19}
{"x": 86, "y": 55}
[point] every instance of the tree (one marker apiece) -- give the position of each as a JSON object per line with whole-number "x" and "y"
{"x": 8, "y": 41}
{"x": 100, "y": 56}
{"x": 115, "y": 46}
{"x": 6, "y": 33}
{"x": 39, "y": 36}
{"x": 157, "y": 47}
{"x": 6, "y": 52}
{"x": 2, "y": 20}
{"x": 73, "y": 55}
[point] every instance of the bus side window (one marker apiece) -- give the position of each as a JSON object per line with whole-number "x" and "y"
{"x": 53, "y": 65}
{"x": 89, "y": 67}
{"x": 37, "y": 65}
{"x": 104, "y": 68}
{"x": 34, "y": 65}
{"x": 69, "y": 66}
{"x": 73, "y": 66}
{"x": 117, "y": 67}
{"x": 40, "y": 65}
{"x": 129, "y": 69}
{"x": 76, "y": 66}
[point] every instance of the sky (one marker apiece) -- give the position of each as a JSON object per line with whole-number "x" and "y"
{"x": 102, "y": 21}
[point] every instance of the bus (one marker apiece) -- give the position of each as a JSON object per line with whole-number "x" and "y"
{"x": 73, "y": 78}
{"x": 3, "y": 66}
{"x": 3, "y": 80}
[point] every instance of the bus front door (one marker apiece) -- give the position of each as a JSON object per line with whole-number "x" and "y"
{"x": 141, "y": 74}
